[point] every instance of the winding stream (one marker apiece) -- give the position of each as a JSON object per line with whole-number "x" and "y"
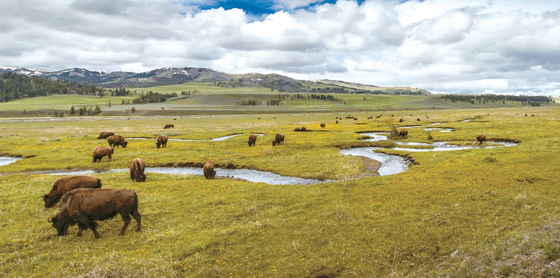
{"x": 390, "y": 164}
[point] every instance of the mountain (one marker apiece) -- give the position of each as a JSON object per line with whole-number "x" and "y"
{"x": 171, "y": 76}
{"x": 156, "y": 77}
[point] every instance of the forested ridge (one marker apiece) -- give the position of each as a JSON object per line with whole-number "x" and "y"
{"x": 485, "y": 98}
{"x": 18, "y": 86}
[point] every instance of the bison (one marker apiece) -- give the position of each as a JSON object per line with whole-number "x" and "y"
{"x": 417, "y": 119}
{"x": 303, "y": 128}
{"x": 403, "y": 133}
{"x": 208, "y": 170}
{"x": 100, "y": 152}
{"x": 322, "y": 125}
{"x": 481, "y": 138}
{"x": 401, "y": 120}
{"x": 278, "y": 138}
{"x": 105, "y": 134}
{"x": 168, "y": 126}
{"x": 336, "y": 121}
{"x": 137, "y": 170}
{"x": 66, "y": 184}
{"x": 116, "y": 141}
{"x": 297, "y": 129}
{"x": 252, "y": 139}
{"x": 83, "y": 206}
{"x": 162, "y": 141}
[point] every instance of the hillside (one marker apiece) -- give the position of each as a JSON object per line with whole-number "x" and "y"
{"x": 174, "y": 76}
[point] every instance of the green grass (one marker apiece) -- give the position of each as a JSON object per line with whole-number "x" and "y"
{"x": 410, "y": 224}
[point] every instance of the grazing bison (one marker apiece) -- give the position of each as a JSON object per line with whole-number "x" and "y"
{"x": 116, "y": 141}
{"x": 137, "y": 170}
{"x": 401, "y": 120}
{"x": 83, "y": 206}
{"x": 105, "y": 134}
{"x": 278, "y": 138}
{"x": 100, "y": 152}
{"x": 336, "y": 121}
{"x": 66, "y": 184}
{"x": 297, "y": 129}
{"x": 403, "y": 133}
{"x": 481, "y": 138}
{"x": 303, "y": 128}
{"x": 168, "y": 126}
{"x": 417, "y": 119}
{"x": 208, "y": 170}
{"x": 322, "y": 125}
{"x": 252, "y": 139}
{"x": 162, "y": 141}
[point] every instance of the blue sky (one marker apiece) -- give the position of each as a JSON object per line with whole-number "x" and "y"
{"x": 443, "y": 46}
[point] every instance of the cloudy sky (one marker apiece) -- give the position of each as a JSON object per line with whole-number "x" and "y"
{"x": 443, "y": 46}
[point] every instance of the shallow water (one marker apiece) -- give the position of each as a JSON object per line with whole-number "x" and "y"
{"x": 244, "y": 174}
{"x": 190, "y": 140}
{"x": 390, "y": 164}
{"x": 8, "y": 160}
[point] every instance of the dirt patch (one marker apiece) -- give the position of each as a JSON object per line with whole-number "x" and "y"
{"x": 371, "y": 168}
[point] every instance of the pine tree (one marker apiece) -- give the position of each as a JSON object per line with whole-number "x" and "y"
{"x": 72, "y": 110}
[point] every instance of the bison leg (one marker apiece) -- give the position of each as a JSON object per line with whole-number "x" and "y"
{"x": 138, "y": 219}
{"x": 109, "y": 158}
{"x": 126, "y": 219}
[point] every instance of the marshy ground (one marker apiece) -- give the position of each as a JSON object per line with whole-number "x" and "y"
{"x": 476, "y": 212}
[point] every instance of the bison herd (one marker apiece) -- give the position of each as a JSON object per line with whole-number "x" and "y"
{"x": 83, "y": 201}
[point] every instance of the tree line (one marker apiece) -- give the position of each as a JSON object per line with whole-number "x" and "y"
{"x": 485, "y": 98}
{"x": 19, "y": 86}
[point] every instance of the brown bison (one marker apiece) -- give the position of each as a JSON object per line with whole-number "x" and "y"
{"x": 100, "y": 152}
{"x": 336, "y": 121}
{"x": 105, "y": 134}
{"x": 137, "y": 170}
{"x": 297, "y": 129}
{"x": 116, "y": 141}
{"x": 303, "y": 128}
{"x": 403, "y": 133}
{"x": 417, "y": 119}
{"x": 278, "y": 138}
{"x": 481, "y": 138}
{"x": 208, "y": 170}
{"x": 168, "y": 126}
{"x": 162, "y": 140}
{"x": 66, "y": 184}
{"x": 83, "y": 206}
{"x": 401, "y": 120}
{"x": 252, "y": 139}
{"x": 322, "y": 125}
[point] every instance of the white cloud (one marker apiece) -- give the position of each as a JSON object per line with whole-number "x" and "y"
{"x": 439, "y": 45}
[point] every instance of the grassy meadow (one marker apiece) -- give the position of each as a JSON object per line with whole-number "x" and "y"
{"x": 469, "y": 213}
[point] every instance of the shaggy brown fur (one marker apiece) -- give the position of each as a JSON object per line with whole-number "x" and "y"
{"x": 66, "y": 184}
{"x": 137, "y": 170}
{"x": 278, "y": 138}
{"x": 481, "y": 138}
{"x": 303, "y": 128}
{"x": 252, "y": 139}
{"x": 162, "y": 140}
{"x": 83, "y": 206}
{"x": 168, "y": 126}
{"x": 105, "y": 134}
{"x": 100, "y": 152}
{"x": 322, "y": 125}
{"x": 116, "y": 141}
{"x": 403, "y": 133}
{"x": 208, "y": 170}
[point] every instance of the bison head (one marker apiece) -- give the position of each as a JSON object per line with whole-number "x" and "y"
{"x": 123, "y": 144}
{"x": 158, "y": 144}
{"x": 49, "y": 201}
{"x": 274, "y": 143}
{"x": 141, "y": 178}
{"x": 60, "y": 226}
